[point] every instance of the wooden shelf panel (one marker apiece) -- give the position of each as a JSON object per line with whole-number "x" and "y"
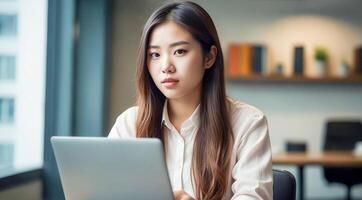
{"x": 296, "y": 79}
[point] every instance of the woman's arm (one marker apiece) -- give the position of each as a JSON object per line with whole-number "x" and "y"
{"x": 252, "y": 172}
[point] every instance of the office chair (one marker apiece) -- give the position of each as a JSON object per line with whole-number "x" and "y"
{"x": 342, "y": 135}
{"x": 284, "y": 185}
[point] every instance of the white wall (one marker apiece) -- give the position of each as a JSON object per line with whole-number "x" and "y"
{"x": 295, "y": 111}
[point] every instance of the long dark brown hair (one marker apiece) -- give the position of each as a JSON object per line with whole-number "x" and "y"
{"x": 214, "y": 139}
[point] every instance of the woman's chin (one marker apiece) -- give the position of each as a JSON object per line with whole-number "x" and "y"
{"x": 171, "y": 95}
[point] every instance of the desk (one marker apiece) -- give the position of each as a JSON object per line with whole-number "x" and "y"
{"x": 328, "y": 158}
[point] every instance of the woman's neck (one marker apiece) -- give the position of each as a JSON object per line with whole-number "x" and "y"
{"x": 180, "y": 110}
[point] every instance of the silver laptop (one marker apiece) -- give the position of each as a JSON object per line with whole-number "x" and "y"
{"x": 101, "y": 168}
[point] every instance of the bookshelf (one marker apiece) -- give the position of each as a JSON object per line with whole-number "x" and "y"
{"x": 356, "y": 79}
{"x": 248, "y": 63}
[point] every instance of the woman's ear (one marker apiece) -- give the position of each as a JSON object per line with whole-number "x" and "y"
{"x": 210, "y": 57}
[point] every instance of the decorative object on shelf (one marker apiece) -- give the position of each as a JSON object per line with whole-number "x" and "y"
{"x": 358, "y": 60}
{"x": 298, "y": 60}
{"x": 278, "y": 69}
{"x": 321, "y": 60}
{"x": 343, "y": 69}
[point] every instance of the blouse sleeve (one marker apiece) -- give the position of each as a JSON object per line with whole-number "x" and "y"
{"x": 125, "y": 125}
{"x": 252, "y": 172}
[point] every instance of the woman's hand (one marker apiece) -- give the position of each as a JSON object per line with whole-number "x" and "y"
{"x": 182, "y": 195}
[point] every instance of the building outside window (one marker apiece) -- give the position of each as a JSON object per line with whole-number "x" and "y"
{"x": 7, "y": 67}
{"x": 22, "y": 84}
{"x": 8, "y": 25}
{"x": 6, "y": 110}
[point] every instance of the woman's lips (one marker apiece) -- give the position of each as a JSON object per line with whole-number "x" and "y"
{"x": 169, "y": 82}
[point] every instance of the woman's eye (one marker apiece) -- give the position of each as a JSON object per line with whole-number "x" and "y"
{"x": 180, "y": 52}
{"x": 154, "y": 55}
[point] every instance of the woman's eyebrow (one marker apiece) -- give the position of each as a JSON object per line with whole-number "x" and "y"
{"x": 171, "y": 45}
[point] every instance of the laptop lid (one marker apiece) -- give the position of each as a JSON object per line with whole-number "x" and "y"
{"x": 103, "y": 168}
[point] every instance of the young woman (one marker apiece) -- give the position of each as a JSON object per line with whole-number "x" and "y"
{"x": 216, "y": 148}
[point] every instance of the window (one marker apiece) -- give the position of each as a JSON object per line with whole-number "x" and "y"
{"x": 6, "y": 110}
{"x": 23, "y": 26}
{"x": 8, "y": 25}
{"x": 6, "y": 156}
{"x": 7, "y": 67}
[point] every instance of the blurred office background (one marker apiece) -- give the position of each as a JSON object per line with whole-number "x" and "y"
{"x": 67, "y": 68}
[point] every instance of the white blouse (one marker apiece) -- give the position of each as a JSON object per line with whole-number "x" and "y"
{"x": 251, "y": 174}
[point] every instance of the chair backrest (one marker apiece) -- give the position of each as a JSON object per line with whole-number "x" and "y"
{"x": 342, "y": 135}
{"x": 284, "y": 185}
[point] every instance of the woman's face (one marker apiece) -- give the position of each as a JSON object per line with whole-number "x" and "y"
{"x": 175, "y": 61}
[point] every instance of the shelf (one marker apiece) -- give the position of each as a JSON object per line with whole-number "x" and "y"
{"x": 296, "y": 79}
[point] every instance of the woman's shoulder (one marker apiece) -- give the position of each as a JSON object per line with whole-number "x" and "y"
{"x": 246, "y": 121}
{"x": 129, "y": 113}
{"x": 128, "y": 116}
{"x": 241, "y": 110}
{"x": 125, "y": 125}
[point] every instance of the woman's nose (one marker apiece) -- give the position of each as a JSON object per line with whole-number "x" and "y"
{"x": 168, "y": 66}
